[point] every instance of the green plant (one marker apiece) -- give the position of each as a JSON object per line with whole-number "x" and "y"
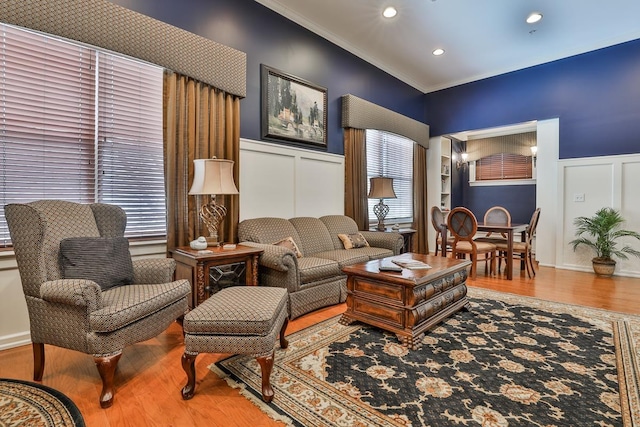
{"x": 604, "y": 229}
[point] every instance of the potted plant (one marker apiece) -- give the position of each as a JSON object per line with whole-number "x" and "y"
{"x": 604, "y": 228}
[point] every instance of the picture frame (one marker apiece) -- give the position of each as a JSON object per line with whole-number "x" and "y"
{"x": 293, "y": 110}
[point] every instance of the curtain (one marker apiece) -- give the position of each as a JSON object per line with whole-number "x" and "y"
{"x": 420, "y": 210}
{"x": 355, "y": 194}
{"x": 199, "y": 122}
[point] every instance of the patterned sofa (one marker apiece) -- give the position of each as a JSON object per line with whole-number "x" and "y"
{"x": 313, "y": 277}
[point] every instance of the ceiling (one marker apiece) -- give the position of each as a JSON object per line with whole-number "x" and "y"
{"x": 480, "y": 38}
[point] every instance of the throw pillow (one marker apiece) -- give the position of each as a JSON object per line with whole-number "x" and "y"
{"x": 105, "y": 260}
{"x": 289, "y": 243}
{"x": 353, "y": 241}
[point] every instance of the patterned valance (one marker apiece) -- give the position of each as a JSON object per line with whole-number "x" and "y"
{"x": 519, "y": 143}
{"x": 104, "y": 24}
{"x": 360, "y": 114}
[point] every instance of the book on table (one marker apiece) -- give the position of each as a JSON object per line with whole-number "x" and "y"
{"x": 411, "y": 264}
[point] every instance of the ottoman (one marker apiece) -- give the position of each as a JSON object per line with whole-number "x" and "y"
{"x": 236, "y": 320}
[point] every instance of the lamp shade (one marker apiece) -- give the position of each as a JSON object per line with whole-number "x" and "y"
{"x": 213, "y": 176}
{"x": 381, "y": 188}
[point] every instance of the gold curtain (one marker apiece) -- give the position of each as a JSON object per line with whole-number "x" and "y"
{"x": 355, "y": 194}
{"x": 199, "y": 122}
{"x": 420, "y": 210}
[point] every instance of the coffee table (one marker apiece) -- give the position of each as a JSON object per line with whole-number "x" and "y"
{"x": 407, "y": 303}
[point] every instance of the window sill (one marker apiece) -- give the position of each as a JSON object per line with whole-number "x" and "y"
{"x": 502, "y": 182}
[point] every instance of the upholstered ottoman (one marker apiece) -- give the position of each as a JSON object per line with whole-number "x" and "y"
{"x": 236, "y": 320}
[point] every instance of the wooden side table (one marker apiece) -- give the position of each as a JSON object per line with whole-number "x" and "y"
{"x": 407, "y": 235}
{"x": 216, "y": 268}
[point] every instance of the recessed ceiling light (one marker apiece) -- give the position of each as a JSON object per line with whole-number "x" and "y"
{"x": 438, "y": 52}
{"x": 390, "y": 12}
{"x": 534, "y": 17}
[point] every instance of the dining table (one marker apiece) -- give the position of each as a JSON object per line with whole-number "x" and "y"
{"x": 506, "y": 230}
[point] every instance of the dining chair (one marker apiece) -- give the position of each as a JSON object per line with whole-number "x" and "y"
{"x": 523, "y": 249}
{"x": 438, "y": 221}
{"x": 496, "y": 215}
{"x": 463, "y": 224}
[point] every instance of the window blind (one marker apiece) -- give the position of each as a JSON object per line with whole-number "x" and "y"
{"x": 504, "y": 166}
{"x": 391, "y": 155}
{"x": 130, "y": 153}
{"x": 49, "y": 111}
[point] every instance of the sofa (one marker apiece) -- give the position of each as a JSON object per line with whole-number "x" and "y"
{"x": 311, "y": 268}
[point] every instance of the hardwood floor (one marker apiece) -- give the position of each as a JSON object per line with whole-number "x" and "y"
{"x": 149, "y": 376}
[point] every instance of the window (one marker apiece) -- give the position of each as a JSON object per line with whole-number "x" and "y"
{"x": 504, "y": 166}
{"x": 391, "y": 155}
{"x": 80, "y": 125}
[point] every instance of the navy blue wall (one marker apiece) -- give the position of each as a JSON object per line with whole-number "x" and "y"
{"x": 595, "y": 95}
{"x": 268, "y": 38}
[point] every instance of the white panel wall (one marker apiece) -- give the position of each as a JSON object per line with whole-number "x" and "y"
{"x": 547, "y": 190}
{"x": 285, "y": 182}
{"x": 587, "y": 185}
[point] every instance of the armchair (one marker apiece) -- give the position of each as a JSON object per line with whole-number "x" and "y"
{"x": 77, "y": 313}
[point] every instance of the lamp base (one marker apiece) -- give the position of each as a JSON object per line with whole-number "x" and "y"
{"x": 212, "y": 215}
{"x": 212, "y": 241}
{"x": 381, "y": 210}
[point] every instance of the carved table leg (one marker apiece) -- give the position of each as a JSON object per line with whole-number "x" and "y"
{"x": 189, "y": 366}
{"x": 346, "y": 320}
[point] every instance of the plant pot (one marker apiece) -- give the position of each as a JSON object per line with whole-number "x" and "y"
{"x": 603, "y": 267}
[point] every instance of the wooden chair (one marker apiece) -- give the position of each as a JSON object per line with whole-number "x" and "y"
{"x": 496, "y": 215}
{"x": 523, "y": 249}
{"x": 437, "y": 220}
{"x": 463, "y": 224}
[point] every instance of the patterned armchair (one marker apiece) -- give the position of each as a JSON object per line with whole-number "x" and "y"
{"x": 78, "y": 313}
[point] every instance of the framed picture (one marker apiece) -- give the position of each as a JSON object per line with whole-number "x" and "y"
{"x": 293, "y": 110}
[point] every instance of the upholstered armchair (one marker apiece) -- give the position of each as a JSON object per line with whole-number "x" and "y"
{"x": 123, "y": 303}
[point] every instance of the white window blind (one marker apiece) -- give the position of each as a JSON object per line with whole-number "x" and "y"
{"x": 391, "y": 155}
{"x": 48, "y": 134}
{"x": 130, "y": 153}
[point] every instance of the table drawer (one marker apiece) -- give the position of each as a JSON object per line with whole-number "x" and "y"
{"x": 387, "y": 292}
{"x": 377, "y": 313}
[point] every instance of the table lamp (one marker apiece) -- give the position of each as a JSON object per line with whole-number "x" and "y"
{"x": 213, "y": 177}
{"x": 381, "y": 188}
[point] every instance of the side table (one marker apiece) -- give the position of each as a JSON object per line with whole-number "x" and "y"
{"x": 407, "y": 235}
{"x": 215, "y": 268}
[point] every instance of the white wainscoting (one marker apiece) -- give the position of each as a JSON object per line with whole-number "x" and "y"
{"x": 285, "y": 182}
{"x": 609, "y": 181}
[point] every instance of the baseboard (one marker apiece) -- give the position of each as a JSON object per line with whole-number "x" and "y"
{"x": 15, "y": 340}
{"x": 621, "y": 273}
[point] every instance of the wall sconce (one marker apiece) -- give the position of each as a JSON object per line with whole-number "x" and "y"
{"x": 462, "y": 162}
{"x": 534, "y": 154}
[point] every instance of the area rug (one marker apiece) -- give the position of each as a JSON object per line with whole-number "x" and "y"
{"x": 508, "y": 361}
{"x": 25, "y": 403}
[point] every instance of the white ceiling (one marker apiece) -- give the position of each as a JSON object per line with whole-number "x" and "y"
{"x": 481, "y": 38}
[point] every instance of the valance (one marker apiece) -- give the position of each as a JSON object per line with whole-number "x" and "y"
{"x": 358, "y": 113}
{"x": 104, "y": 24}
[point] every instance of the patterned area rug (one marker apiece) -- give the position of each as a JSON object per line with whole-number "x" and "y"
{"x": 509, "y": 361}
{"x": 25, "y": 403}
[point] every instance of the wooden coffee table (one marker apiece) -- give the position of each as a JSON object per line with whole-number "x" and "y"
{"x": 406, "y": 303}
